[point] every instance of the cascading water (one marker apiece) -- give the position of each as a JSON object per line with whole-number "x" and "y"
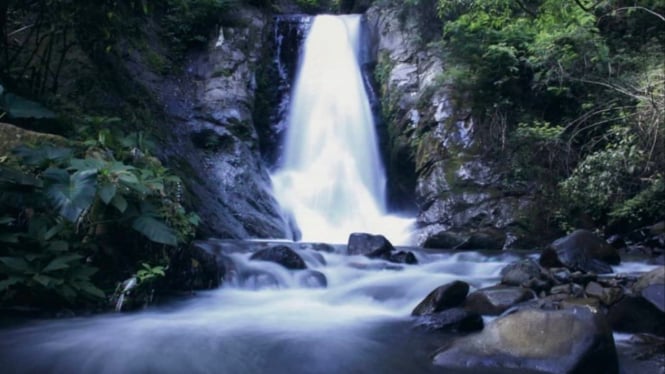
{"x": 331, "y": 180}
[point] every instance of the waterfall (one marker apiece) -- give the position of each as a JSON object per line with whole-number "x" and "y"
{"x": 331, "y": 180}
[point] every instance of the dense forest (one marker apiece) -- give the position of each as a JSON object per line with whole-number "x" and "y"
{"x": 567, "y": 93}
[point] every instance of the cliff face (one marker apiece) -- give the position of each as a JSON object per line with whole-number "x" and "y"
{"x": 210, "y": 136}
{"x": 434, "y": 151}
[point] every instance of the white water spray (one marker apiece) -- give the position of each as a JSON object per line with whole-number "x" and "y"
{"x": 332, "y": 180}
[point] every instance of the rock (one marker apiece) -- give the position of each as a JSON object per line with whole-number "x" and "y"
{"x": 607, "y": 296}
{"x": 651, "y": 286}
{"x": 282, "y": 255}
{"x": 497, "y": 299}
{"x": 433, "y": 143}
{"x": 634, "y": 314}
{"x": 404, "y": 258}
{"x": 372, "y": 246}
{"x": 196, "y": 269}
{"x": 454, "y": 319}
{"x": 444, "y": 297}
{"x": 559, "y": 341}
{"x": 525, "y": 273}
{"x": 12, "y": 136}
{"x": 581, "y": 250}
{"x": 313, "y": 279}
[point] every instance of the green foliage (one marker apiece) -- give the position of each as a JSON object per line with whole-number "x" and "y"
{"x": 17, "y": 107}
{"x": 595, "y": 71}
{"x": 66, "y": 199}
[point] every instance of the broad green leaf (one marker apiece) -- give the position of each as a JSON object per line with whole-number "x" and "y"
{"x": 53, "y": 231}
{"x": 61, "y": 262}
{"x": 127, "y": 178}
{"x": 41, "y": 155}
{"x": 7, "y": 237}
{"x": 119, "y": 203}
{"x": 107, "y": 192}
{"x": 19, "y": 107}
{"x": 6, "y": 220}
{"x": 13, "y": 176}
{"x": 83, "y": 272}
{"x": 58, "y": 246}
{"x": 86, "y": 164}
{"x": 91, "y": 289}
{"x": 155, "y": 230}
{"x": 5, "y": 284}
{"x": 74, "y": 196}
{"x": 16, "y": 263}
{"x": 46, "y": 281}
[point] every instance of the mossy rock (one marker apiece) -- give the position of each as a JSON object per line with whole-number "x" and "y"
{"x": 12, "y": 136}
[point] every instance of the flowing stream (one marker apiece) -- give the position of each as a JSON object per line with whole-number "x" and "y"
{"x": 331, "y": 179}
{"x": 359, "y": 323}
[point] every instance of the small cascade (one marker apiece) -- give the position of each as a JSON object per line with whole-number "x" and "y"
{"x": 331, "y": 180}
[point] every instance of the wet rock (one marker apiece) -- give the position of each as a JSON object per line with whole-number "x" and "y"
{"x": 581, "y": 250}
{"x": 576, "y": 302}
{"x": 282, "y": 255}
{"x": 195, "y": 269}
{"x": 635, "y": 314}
{"x": 497, "y": 299}
{"x": 444, "y": 297}
{"x": 562, "y": 341}
{"x": 372, "y": 246}
{"x": 313, "y": 279}
{"x": 454, "y": 319}
{"x": 607, "y": 295}
{"x": 404, "y": 258}
{"x": 571, "y": 289}
{"x": 526, "y": 273}
{"x": 651, "y": 286}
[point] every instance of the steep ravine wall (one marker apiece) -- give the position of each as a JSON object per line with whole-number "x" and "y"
{"x": 434, "y": 153}
{"x": 210, "y": 136}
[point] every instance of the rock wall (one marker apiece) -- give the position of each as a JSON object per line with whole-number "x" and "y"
{"x": 434, "y": 151}
{"x": 210, "y": 134}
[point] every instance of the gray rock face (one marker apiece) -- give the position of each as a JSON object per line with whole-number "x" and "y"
{"x": 444, "y": 297}
{"x": 432, "y": 145}
{"x": 563, "y": 341}
{"x": 373, "y": 246}
{"x": 210, "y": 134}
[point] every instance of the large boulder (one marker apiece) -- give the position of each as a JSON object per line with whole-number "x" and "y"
{"x": 497, "y": 299}
{"x": 635, "y": 314}
{"x": 372, "y": 246}
{"x": 443, "y": 297}
{"x": 282, "y": 255}
{"x": 581, "y": 250}
{"x": 651, "y": 286}
{"x": 574, "y": 340}
{"x": 377, "y": 246}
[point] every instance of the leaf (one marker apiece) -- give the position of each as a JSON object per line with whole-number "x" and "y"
{"x": 13, "y": 176}
{"x": 41, "y": 155}
{"x": 5, "y": 284}
{"x": 107, "y": 192}
{"x": 6, "y": 237}
{"x": 6, "y": 220}
{"x": 19, "y": 107}
{"x": 75, "y": 195}
{"x": 17, "y": 264}
{"x": 61, "y": 262}
{"x": 119, "y": 203}
{"x": 86, "y": 164}
{"x": 58, "y": 246}
{"x": 155, "y": 230}
{"x": 91, "y": 289}
{"x": 46, "y": 281}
